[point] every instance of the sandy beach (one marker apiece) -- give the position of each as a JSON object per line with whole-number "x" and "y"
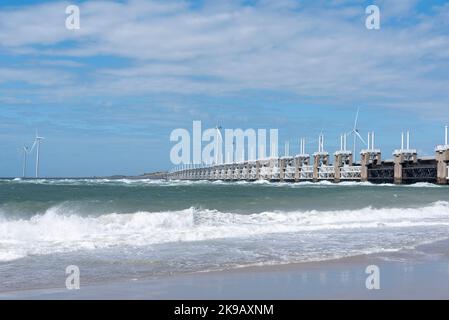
{"x": 421, "y": 275}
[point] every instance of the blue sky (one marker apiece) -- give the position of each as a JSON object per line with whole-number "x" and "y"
{"x": 107, "y": 96}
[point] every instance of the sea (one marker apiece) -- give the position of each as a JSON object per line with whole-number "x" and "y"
{"x": 129, "y": 230}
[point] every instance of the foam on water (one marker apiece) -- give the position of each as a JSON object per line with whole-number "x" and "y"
{"x": 61, "y": 229}
{"x": 163, "y": 182}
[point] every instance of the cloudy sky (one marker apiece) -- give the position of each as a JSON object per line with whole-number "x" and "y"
{"x": 107, "y": 96}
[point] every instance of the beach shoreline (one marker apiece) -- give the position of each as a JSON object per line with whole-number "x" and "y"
{"x": 403, "y": 275}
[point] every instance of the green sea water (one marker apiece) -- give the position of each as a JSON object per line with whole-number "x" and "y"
{"x": 126, "y": 229}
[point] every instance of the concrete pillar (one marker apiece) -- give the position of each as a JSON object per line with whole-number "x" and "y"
{"x": 253, "y": 165}
{"x": 270, "y": 169}
{"x": 341, "y": 159}
{"x": 364, "y": 162}
{"x": 240, "y": 173}
{"x": 282, "y": 166}
{"x": 398, "y": 161}
{"x": 258, "y": 164}
{"x": 368, "y": 157}
{"x": 299, "y": 162}
{"x": 273, "y": 164}
{"x": 298, "y": 165}
{"x": 316, "y": 165}
{"x": 442, "y": 157}
{"x": 337, "y": 166}
{"x": 318, "y": 160}
{"x": 249, "y": 166}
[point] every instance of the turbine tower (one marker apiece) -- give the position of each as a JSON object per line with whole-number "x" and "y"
{"x": 24, "y": 161}
{"x": 37, "y": 144}
{"x": 355, "y": 133}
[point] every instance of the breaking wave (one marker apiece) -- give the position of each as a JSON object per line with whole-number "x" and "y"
{"x": 163, "y": 182}
{"x": 60, "y": 229}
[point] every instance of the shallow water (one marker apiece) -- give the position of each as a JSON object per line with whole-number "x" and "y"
{"x": 126, "y": 229}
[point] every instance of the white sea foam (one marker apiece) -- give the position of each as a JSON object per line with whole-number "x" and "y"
{"x": 423, "y": 185}
{"x": 169, "y": 183}
{"x": 60, "y": 229}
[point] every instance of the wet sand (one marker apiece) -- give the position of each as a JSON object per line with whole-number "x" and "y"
{"x": 421, "y": 273}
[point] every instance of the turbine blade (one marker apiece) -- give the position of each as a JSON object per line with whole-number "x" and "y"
{"x": 356, "y": 119}
{"x": 32, "y": 147}
{"x": 360, "y": 137}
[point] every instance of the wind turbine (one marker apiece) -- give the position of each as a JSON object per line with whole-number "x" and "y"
{"x": 37, "y": 144}
{"x": 355, "y": 133}
{"x": 24, "y": 161}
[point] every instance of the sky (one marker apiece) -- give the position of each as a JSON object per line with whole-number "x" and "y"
{"x": 107, "y": 96}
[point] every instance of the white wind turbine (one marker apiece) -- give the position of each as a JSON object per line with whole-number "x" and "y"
{"x": 355, "y": 133}
{"x": 25, "y": 152}
{"x": 37, "y": 144}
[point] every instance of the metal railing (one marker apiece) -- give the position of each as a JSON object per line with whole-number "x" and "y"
{"x": 275, "y": 172}
{"x": 350, "y": 173}
{"x": 264, "y": 172}
{"x": 326, "y": 172}
{"x": 237, "y": 175}
{"x": 253, "y": 173}
{"x": 229, "y": 174}
{"x": 290, "y": 171}
{"x": 306, "y": 173}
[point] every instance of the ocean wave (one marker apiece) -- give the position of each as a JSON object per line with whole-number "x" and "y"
{"x": 170, "y": 183}
{"x": 73, "y": 181}
{"x": 60, "y": 229}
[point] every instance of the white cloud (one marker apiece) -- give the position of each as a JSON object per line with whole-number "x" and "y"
{"x": 319, "y": 50}
{"x": 34, "y": 76}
